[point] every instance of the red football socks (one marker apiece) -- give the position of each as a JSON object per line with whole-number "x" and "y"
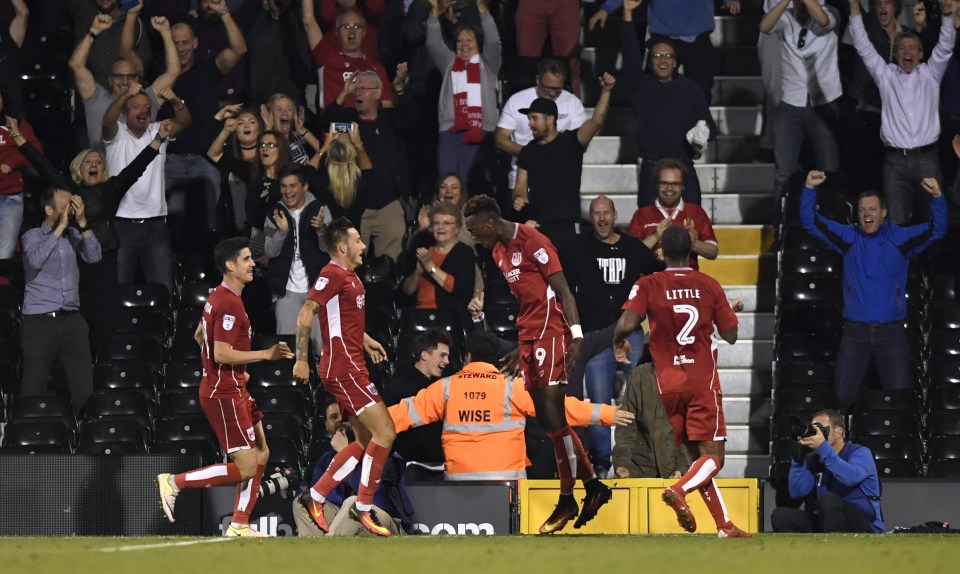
{"x": 374, "y": 458}
{"x": 572, "y": 461}
{"x": 340, "y": 468}
{"x": 701, "y": 472}
{"x": 214, "y": 475}
{"x": 711, "y": 496}
{"x": 247, "y": 497}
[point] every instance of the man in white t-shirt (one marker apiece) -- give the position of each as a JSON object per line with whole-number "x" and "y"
{"x": 141, "y": 221}
{"x": 293, "y": 242}
{"x": 513, "y": 129}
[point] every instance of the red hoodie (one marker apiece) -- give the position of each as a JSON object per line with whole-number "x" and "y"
{"x": 10, "y": 156}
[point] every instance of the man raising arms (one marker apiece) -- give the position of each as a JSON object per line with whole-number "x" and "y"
{"x": 550, "y": 339}
{"x": 683, "y": 305}
{"x": 338, "y": 298}
{"x": 224, "y": 338}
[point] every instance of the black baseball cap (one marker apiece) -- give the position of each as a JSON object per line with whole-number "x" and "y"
{"x": 541, "y": 106}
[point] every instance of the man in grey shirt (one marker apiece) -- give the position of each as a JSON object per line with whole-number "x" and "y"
{"x": 53, "y": 329}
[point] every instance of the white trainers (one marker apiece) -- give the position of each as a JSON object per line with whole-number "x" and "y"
{"x": 168, "y": 494}
{"x": 245, "y": 531}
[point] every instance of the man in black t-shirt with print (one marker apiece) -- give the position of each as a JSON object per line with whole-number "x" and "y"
{"x": 547, "y": 191}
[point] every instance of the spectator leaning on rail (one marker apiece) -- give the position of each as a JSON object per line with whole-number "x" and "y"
{"x": 876, "y": 255}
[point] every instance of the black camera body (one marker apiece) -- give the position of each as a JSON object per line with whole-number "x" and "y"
{"x": 800, "y": 428}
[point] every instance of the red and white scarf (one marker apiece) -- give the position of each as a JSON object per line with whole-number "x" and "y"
{"x": 467, "y": 107}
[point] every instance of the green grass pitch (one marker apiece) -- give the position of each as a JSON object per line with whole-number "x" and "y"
{"x": 765, "y": 553}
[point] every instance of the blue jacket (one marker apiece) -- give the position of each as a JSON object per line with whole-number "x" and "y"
{"x": 874, "y": 266}
{"x": 851, "y": 475}
{"x": 674, "y": 18}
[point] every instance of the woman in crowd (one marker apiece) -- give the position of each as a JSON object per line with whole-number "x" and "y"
{"x": 467, "y": 111}
{"x": 444, "y": 276}
{"x": 281, "y": 114}
{"x": 340, "y": 165}
{"x": 239, "y": 136}
{"x": 101, "y": 196}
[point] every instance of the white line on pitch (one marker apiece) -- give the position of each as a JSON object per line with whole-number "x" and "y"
{"x": 163, "y": 545}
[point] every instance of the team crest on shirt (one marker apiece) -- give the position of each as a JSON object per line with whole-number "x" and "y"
{"x": 361, "y": 299}
{"x": 251, "y": 435}
{"x": 321, "y": 283}
{"x": 516, "y": 258}
{"x": 228, "y": 321}
{"x": 633, "y": 292}
{"x": 542, "y": 256}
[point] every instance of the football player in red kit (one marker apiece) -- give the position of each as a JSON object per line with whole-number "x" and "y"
{"x": 550, "y": 338}
{"x": 683, "y": 305}
{"x": 338, "y": 299}
{"x": 224, "y": 338}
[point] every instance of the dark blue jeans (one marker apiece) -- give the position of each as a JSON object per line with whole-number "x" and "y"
{"x": 145, "y": 243}
{"x": 907, "y": 202}
{"x": 886, "y": 346}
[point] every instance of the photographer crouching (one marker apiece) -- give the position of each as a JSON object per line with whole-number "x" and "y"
{"x": 838, "y": 480}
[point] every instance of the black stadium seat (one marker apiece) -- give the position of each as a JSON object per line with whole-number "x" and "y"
{"x": 182, "y": 374}
{"x": 806, "y": 348}
{"x": 883, "y": 400}
{"x": 141, "y": 321}
{"x": 945, "y": 447}
{"x": 114, "y": 430}
{"x": 126, "y": 375}
{"x": 885, "y": 423}
{"x": 944, "y": 342}
{"x": 109, "y": 405}
{"x": 822, "y": 288}
{"x": 808, "y": 261}
{"x": 286, "y": 401}
{"x": 943, "y": 423}
{"x": 118, "y": 448}
{"x": 944, "y": 468}
{"x": 194, "y": 294}
{"x": 25, "y": 437}
{"x": 284, "y": 426}
{"x": 208, "y": 451}
{"x": 892, "y": 447}
{"x": 143, "y": 350}
{"x": 180, "y": 402}
{"x": 899, "y": 468}
{"x": 944, "y": 315}
{"x": 805, "y": 398}
{"x": 176, "y": 428}
{"x": 47, "y": 407}
{"x": 805, "y": 373}
{"x": 803, "y": 318}
{"x": 944, "y": 398}
{"x": 153, "y": 295}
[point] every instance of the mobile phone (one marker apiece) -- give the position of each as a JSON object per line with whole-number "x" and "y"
{"x": 128, "y": 4}
{"x": 342, "y": 128}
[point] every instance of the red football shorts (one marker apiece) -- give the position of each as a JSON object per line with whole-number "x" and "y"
{"x": 696, "y": 415}
{"x": 233, "y": 420}
{"x": 354, "y": 393}
{"x": 541, "y": 362}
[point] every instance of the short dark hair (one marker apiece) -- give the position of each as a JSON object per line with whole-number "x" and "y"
{"x": 669, "y": 163}
{"x": 337, "y": 231}
{"x": 483, "y": 346}
{"x": 676, "y": 243}
{"x": 477, "y": 34}
{"x": 228, "y": 250}
{"x": 481, "y": 204}
{"x": 661, "y": 40}
{"x": 551, "y": 66}
{"x": 428, "y": 341}
{"x": 871, "y": 193}
{"x": 908, "y": 34}
{"x": 835, "y": 416}
{"x": 48, "y": 194}
{"x": 294, "y": 169}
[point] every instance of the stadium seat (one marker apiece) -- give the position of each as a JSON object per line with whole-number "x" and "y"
{"x": 381, "y": 295}
{"x": 944, "y": 315}
{"x": 272, "y": 374}
{"x": 899, "y": 468}
{"x": 503, "y": 321}
{"x": 893, "y": 446}
{"x": 209, "y": 452}
{"x": 126, "y": 375}
{"x": 808, "y": 261}
{"x": 286, "y": 452}
{"x": 186, "y": 324}
{"x": 153, "y": 295}
{"x": 822, "y": 288}
{"x": 48, "y": 408}
{"x": 284, "y": 427}
{"x": 143, "y": 350}
{"x": 185, "y": 349}
{"x": 177, "y": 428}
{"x": 804, "y": 398}
{"x": 942, "y": 423}
{"x": 497, "y": 293}
{"x": 180, "y": 402}
{"x": 944, "y": 447}
{"x": 142, "y": 322}
{"x": 193, "y": 267}
{"x": 377, "y": 269}
{"x": 114, "y": 430}
{"x": 807, "y": 348}
{"x": 943, "y": 287}
{"x": 193, "y": 294}
{"x": 805, "y": 373}
{"x": 944, "y": 468}
{"x": 27, "y": 437}
{"x": 944, "y": 342}
{"x": 803, "y": 318}
{"x": 795, "y": 238}
{"x": 286, "y": 401}
{"x": 182, "y": 374}
{"x": 943, "y": 371}
{"x": 118, "y": 448}
{"x": 109, "y": 405}
{"x": 944, "y": 398}
{"x": 883, "y": 400}
{"x": 885, "y": 423}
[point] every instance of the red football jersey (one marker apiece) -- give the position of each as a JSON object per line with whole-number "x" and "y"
{"x": 682, "y": 306}
{"x": 224, "y": 319}
{"x": 341, "y": 294}
{"x": 335, "y": 67}
{"x": 526, "y": 262}
{"x": 645, "y": 220}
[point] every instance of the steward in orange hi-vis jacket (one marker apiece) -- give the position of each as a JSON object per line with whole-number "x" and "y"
{"x": 484, "y": 414}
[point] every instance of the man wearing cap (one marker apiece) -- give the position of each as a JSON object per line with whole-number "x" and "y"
{"x": 547, "y": 191}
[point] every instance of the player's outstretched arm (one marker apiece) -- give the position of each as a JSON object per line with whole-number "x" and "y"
{"x": 628, "y": 323}
{"x": 225, "y": 354}
{"x": 301, "y": 369}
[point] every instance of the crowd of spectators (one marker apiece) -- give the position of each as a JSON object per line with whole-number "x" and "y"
{"x": 195, "y": 120}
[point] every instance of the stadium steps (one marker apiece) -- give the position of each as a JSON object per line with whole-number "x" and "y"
{"x": 736, "y": 194}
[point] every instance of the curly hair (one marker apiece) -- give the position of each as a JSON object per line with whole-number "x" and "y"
{"x": 481, "y": 204}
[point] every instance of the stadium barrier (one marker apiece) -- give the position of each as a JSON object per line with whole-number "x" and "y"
{"x": 636, "y": 507}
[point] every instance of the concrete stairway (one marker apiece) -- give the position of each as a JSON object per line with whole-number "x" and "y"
{"x": 737, "y": 196}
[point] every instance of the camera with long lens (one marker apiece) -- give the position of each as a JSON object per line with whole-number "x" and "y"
{"x": 800, "y": 428}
